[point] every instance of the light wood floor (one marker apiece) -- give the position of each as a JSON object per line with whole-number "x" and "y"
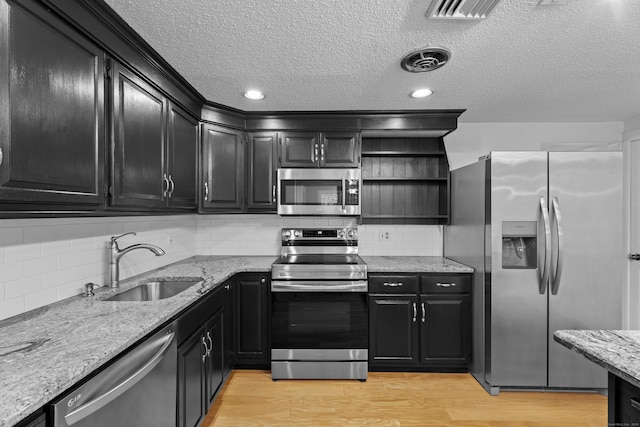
{"x": 251, "y": 398}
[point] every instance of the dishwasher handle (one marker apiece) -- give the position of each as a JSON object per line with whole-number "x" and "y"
{"x": 138, "y": 374}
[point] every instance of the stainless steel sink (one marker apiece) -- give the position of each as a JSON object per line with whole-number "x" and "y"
{"x": 155, "y": 290}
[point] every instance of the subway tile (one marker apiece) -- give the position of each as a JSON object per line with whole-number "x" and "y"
{"x": 39, "y": 234}
{"x": 40, "y": 266}
{"x": 56, "y": 278}
{"x": 40, "y": 299}
{"x": 21, "y": 287}
{"x": 23, "y": 252}
{"x": 11, "y": 236}
{"x": 69, "y": 260}
{"x": 11, "y": 271}
{"x": 11, "y": 307}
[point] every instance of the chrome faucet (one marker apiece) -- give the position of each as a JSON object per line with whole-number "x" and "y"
{"x": 115, "y": 253}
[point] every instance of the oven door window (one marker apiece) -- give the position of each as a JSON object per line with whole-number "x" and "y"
{"x": 319, "y": 320}
{"x": 311, "y": 192}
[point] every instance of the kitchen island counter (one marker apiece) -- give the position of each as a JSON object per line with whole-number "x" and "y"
{"x": 45, "y": 351}
{"x": 616, "y": 351}
{"x": 414, "y": 264}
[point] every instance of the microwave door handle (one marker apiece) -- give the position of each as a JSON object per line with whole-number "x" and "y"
{"x": 344, "y": 192}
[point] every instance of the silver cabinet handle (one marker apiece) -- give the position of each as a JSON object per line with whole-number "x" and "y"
{"x": 131, "y": 380}
{"x": 546, "y": 265}
{"x": 165, "y": 185}
{"x": 172, "y": 186}
{"x": 206, "y": 349}
{"x": 263, "y": 280}
{"x": 1, "y": 156}
{"x": 445, "y": 285}
{"x": 322, "y": 152}
{"x": 314, "y": 155}
{"x": 424, "y": 312}
{"x": 393, "y": 284}
{"x": 206, "y": 191}
{"x": 210, "y": 344}
{"x": 557, "y": 274}
{"x": 344, "y": 192}
{"x": 273, "y": 193}
{"x": 415, "y": 312}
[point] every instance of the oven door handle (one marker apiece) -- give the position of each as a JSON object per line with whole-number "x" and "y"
{"x": 319, "y": 286}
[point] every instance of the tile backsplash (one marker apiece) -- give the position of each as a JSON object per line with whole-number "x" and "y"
{"x": 46, "y": 260}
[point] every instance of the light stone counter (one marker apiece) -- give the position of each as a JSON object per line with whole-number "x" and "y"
{"x": 413, "y": 264}
{"x": 46, "y": 351}
{"x": 616, "y": 351}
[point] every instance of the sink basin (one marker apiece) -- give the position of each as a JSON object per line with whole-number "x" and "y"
{"x": 154, "y": 290}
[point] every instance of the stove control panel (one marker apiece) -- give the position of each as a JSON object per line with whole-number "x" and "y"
{"x": 328, "y": 234}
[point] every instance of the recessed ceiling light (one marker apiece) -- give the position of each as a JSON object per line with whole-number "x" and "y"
{"x": 421, "y": 93}
{"x": 254, "y": 95}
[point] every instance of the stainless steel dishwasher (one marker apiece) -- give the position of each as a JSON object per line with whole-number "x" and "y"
{"x": 137, "y": 390}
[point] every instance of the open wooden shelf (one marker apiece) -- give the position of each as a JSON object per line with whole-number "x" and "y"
{"x": 404, "y": 181}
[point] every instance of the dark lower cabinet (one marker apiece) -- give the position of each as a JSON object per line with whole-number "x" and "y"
{"x": 201, "y": 357}
{"x": 393, "y": 332}
{"x": 624, "y": 402}
{"x": 52, "y": 121}
{"x": 419, "y": 322}
{"x": 252, "y": 321}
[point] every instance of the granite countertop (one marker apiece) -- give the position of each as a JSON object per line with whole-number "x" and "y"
{"x": 616, "y": 351}
{"x": 413, "y": 264}
{"x": 46, "y": 351}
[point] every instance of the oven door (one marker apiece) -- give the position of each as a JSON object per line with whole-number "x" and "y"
{"x": 319, "y": 321}
{"x": 319, "y": 191}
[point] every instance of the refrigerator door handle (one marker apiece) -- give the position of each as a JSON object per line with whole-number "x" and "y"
{"x": 546, "y": 265}
{"x": 557, "y": 217}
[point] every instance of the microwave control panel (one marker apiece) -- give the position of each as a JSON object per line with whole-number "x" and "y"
{"x": 352, "y": 191}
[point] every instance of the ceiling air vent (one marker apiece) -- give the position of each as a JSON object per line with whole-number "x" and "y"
{"x": 460, "y": 9}
{"x": 427, "y": 59}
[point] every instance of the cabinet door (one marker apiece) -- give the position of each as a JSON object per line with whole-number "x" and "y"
{"x": 191, "y": 380}
{"x": 182, "y": 139}
{"x": 340, "y": 149}
{"x": 222, "y": 168}
{"x": 253, "y": 347}
{"x": 52, "y": 129}
{"x": 215, "y": 367}
{"x": 230, "y": 313}
{"x": 139, "y": 118}
{"x": 393, "y": 330}
{"x": 262, "y": 172}
{"x": 445, "y": 330}
{"x": 299, "y": 149}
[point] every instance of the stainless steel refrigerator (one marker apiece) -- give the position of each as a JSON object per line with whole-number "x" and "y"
{"x": 543, "y": 231}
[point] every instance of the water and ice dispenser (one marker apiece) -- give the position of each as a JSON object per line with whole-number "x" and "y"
{"x": 519, "y": 244}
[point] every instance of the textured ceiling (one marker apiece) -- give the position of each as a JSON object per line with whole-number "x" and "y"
{"x": 578, "y": 61}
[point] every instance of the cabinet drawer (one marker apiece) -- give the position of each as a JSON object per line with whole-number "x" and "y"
{"x": 393, "y": 284}
{"x": 445, "y": 283}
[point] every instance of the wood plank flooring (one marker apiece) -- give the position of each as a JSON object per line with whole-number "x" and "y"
{"x": 251, "y": 398}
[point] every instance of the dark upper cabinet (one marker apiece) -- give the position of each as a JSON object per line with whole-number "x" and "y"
{"x": 154, "y": 147}
{"x": 182, "y": 148}
{"x": 319, "y": 149}
{"x": 139, "y": 126}
{"x": 222, "y": 168}
{"x": 340, "y": 149}
{"x": 52, "y": 127}
{"x": 261, "y": 173}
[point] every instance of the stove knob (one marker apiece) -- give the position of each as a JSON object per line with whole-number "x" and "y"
{"x": 287, "y": 233}
{"x": 352, "y": 233}
{"x": 296, "y": 233}
{"x": 341, "y": 233}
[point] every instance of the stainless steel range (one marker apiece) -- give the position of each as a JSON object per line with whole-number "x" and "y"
{"x": 319, "y": 317}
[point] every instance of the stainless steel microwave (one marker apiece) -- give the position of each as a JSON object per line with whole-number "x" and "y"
{"x": 319, "y": 191}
